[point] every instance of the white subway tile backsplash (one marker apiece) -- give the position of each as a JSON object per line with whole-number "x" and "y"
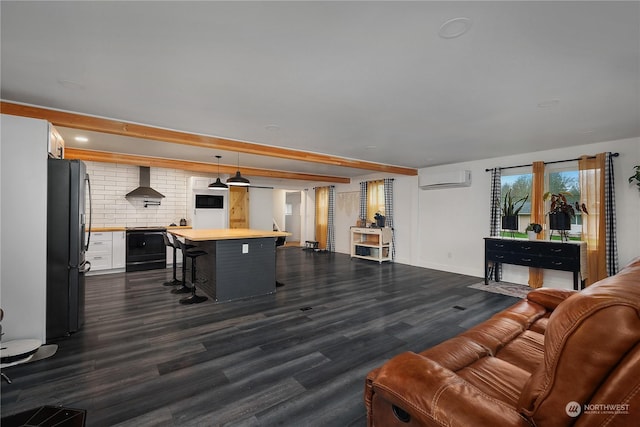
{"x": 110, "y": 182}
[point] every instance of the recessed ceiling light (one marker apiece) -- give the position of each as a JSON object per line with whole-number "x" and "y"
{"x": 454, "y": 28}
{"x": 548, "y": 103}
{"x": 272, "y": 128}
{"x": 370, "y": 147}
{"x": 81, "y": 139}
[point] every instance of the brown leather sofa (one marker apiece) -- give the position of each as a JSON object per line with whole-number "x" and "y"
{"x": 557, "y": 358}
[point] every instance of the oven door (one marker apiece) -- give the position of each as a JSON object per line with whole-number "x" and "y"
{"x": 145, "y": 251}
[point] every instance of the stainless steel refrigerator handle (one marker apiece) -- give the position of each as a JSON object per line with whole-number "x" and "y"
{"x": 86, "y": 248}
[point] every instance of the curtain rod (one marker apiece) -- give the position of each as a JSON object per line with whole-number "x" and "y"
{"x": 549, "y": 163}
{"x": 381, "y": 179}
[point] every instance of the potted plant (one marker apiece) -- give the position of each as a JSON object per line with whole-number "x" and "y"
{"x": 532, "y": 230}
{"x": 510, "y": 211}
{"x": 561, "y": 212}
{"x": 636, "y": 177}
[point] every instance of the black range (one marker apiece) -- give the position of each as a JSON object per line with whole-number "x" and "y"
{"x": 145, "y": 248}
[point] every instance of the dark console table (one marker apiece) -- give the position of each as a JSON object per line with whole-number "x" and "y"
{"x": 564, "y": 256}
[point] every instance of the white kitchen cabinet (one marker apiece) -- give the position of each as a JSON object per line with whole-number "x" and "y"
{"x": 55, "y": 143}
{"x": 100, "y": 251}
{"x": 119, "y": 249}
{"x": 107, "y": 251}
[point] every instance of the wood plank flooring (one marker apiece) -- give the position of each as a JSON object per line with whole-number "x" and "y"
{"x": 295, "y": 358}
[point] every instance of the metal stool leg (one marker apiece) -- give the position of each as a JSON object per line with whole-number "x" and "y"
{"x": 193, "y": 298}
{"x": 174, "y": 281}
{"x": 183, "y": 289}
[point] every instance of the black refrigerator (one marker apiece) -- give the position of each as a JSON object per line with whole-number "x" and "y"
{"x": 68, "y": 189}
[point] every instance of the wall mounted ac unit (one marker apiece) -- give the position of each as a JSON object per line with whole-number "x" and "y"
{"x": 428, "y": 180}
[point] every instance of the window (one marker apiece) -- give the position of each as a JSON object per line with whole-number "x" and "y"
{"x": 375, "y": 199}
{"x": 564, "y": 179}
{"x": 519, "y": 183}
{"x": 559, "y": 178}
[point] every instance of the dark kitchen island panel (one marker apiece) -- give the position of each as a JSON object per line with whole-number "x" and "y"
{"x": 240, "y": 263}
{"x": 228, "y": 272}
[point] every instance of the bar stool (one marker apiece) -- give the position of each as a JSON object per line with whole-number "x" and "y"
{"x": 183, "y": 289}
{"x": 168, "y": 243}
{"x": 192, "y": 253}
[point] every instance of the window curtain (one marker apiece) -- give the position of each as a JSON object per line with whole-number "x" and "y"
{"x": 374, "y": 188}
{"x": 388, "y": 209}
{"x": 610, "y": 227}
{"x": 331, "y": 239}
{"x": 598, "y": 226}
{"x": 363, "y": 201}
{"x": 495, "y": 214}
{"x": 537, "y": 216}
{"x": 322, "y": 216}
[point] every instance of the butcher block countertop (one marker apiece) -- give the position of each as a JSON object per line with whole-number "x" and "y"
{"x": 107, "y": 229}
{"x": 227, "y": 234}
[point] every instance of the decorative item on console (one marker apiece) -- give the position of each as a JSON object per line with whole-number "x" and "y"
{"x": 380, "y": 220}
{"x": 510, "y": 211}
{"x": 532, "y": 230}
{"x": 561, "y": 212}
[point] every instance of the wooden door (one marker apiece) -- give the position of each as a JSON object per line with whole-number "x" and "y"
{"x": 238, "y": 207}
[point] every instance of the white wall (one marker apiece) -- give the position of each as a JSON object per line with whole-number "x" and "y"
{"x": 23, "y": 229}
{"x": 293, "y": 222}
{"x": 453, "y": 222}
{"x": 261, "y": 208}
{"x": 279, "y": 200}
{"x": 444, "y": 229}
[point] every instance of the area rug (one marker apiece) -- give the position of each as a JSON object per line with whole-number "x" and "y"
{"x": 504, "y": 288}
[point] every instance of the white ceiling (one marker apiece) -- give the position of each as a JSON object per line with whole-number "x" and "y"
{"x": 365, "y": 80}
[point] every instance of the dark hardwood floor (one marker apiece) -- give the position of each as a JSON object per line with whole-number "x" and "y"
{"x": 295, "y": 358}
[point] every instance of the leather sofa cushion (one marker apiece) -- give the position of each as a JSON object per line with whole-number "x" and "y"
{"x": 578, "y": 335}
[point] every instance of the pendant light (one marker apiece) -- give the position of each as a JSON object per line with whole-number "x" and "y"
{"x": 218, "y": 185}
{"x": 238, "y": 179}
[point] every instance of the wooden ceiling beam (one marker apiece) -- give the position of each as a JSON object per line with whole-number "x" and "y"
{"x": 212, "y": 168}
{"x": 116, "y": 127}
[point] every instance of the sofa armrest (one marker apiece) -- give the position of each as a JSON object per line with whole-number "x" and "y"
{"x": 434, "y": 396}
{"x": 549, "y": 298}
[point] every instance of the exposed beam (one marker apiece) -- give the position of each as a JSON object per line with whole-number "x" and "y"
{"x": 129, "y": 159}
{"x": 116, "y": 127}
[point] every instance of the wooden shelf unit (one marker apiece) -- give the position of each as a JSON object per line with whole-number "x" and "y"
{"x": 375, "y": 244}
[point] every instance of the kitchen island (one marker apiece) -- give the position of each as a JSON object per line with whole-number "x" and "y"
{"x": 240, "y": 262}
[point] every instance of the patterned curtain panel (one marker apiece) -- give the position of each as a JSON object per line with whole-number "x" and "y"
{"x": 611, "y": 247}
{"x": 388, "y": 209}
{"x": 494, "y": 203}
{"x": 331, "y": 239}
{"x": 363, "y": 201}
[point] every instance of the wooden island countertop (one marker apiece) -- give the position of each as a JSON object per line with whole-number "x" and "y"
{"x": 201, "y": 235}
